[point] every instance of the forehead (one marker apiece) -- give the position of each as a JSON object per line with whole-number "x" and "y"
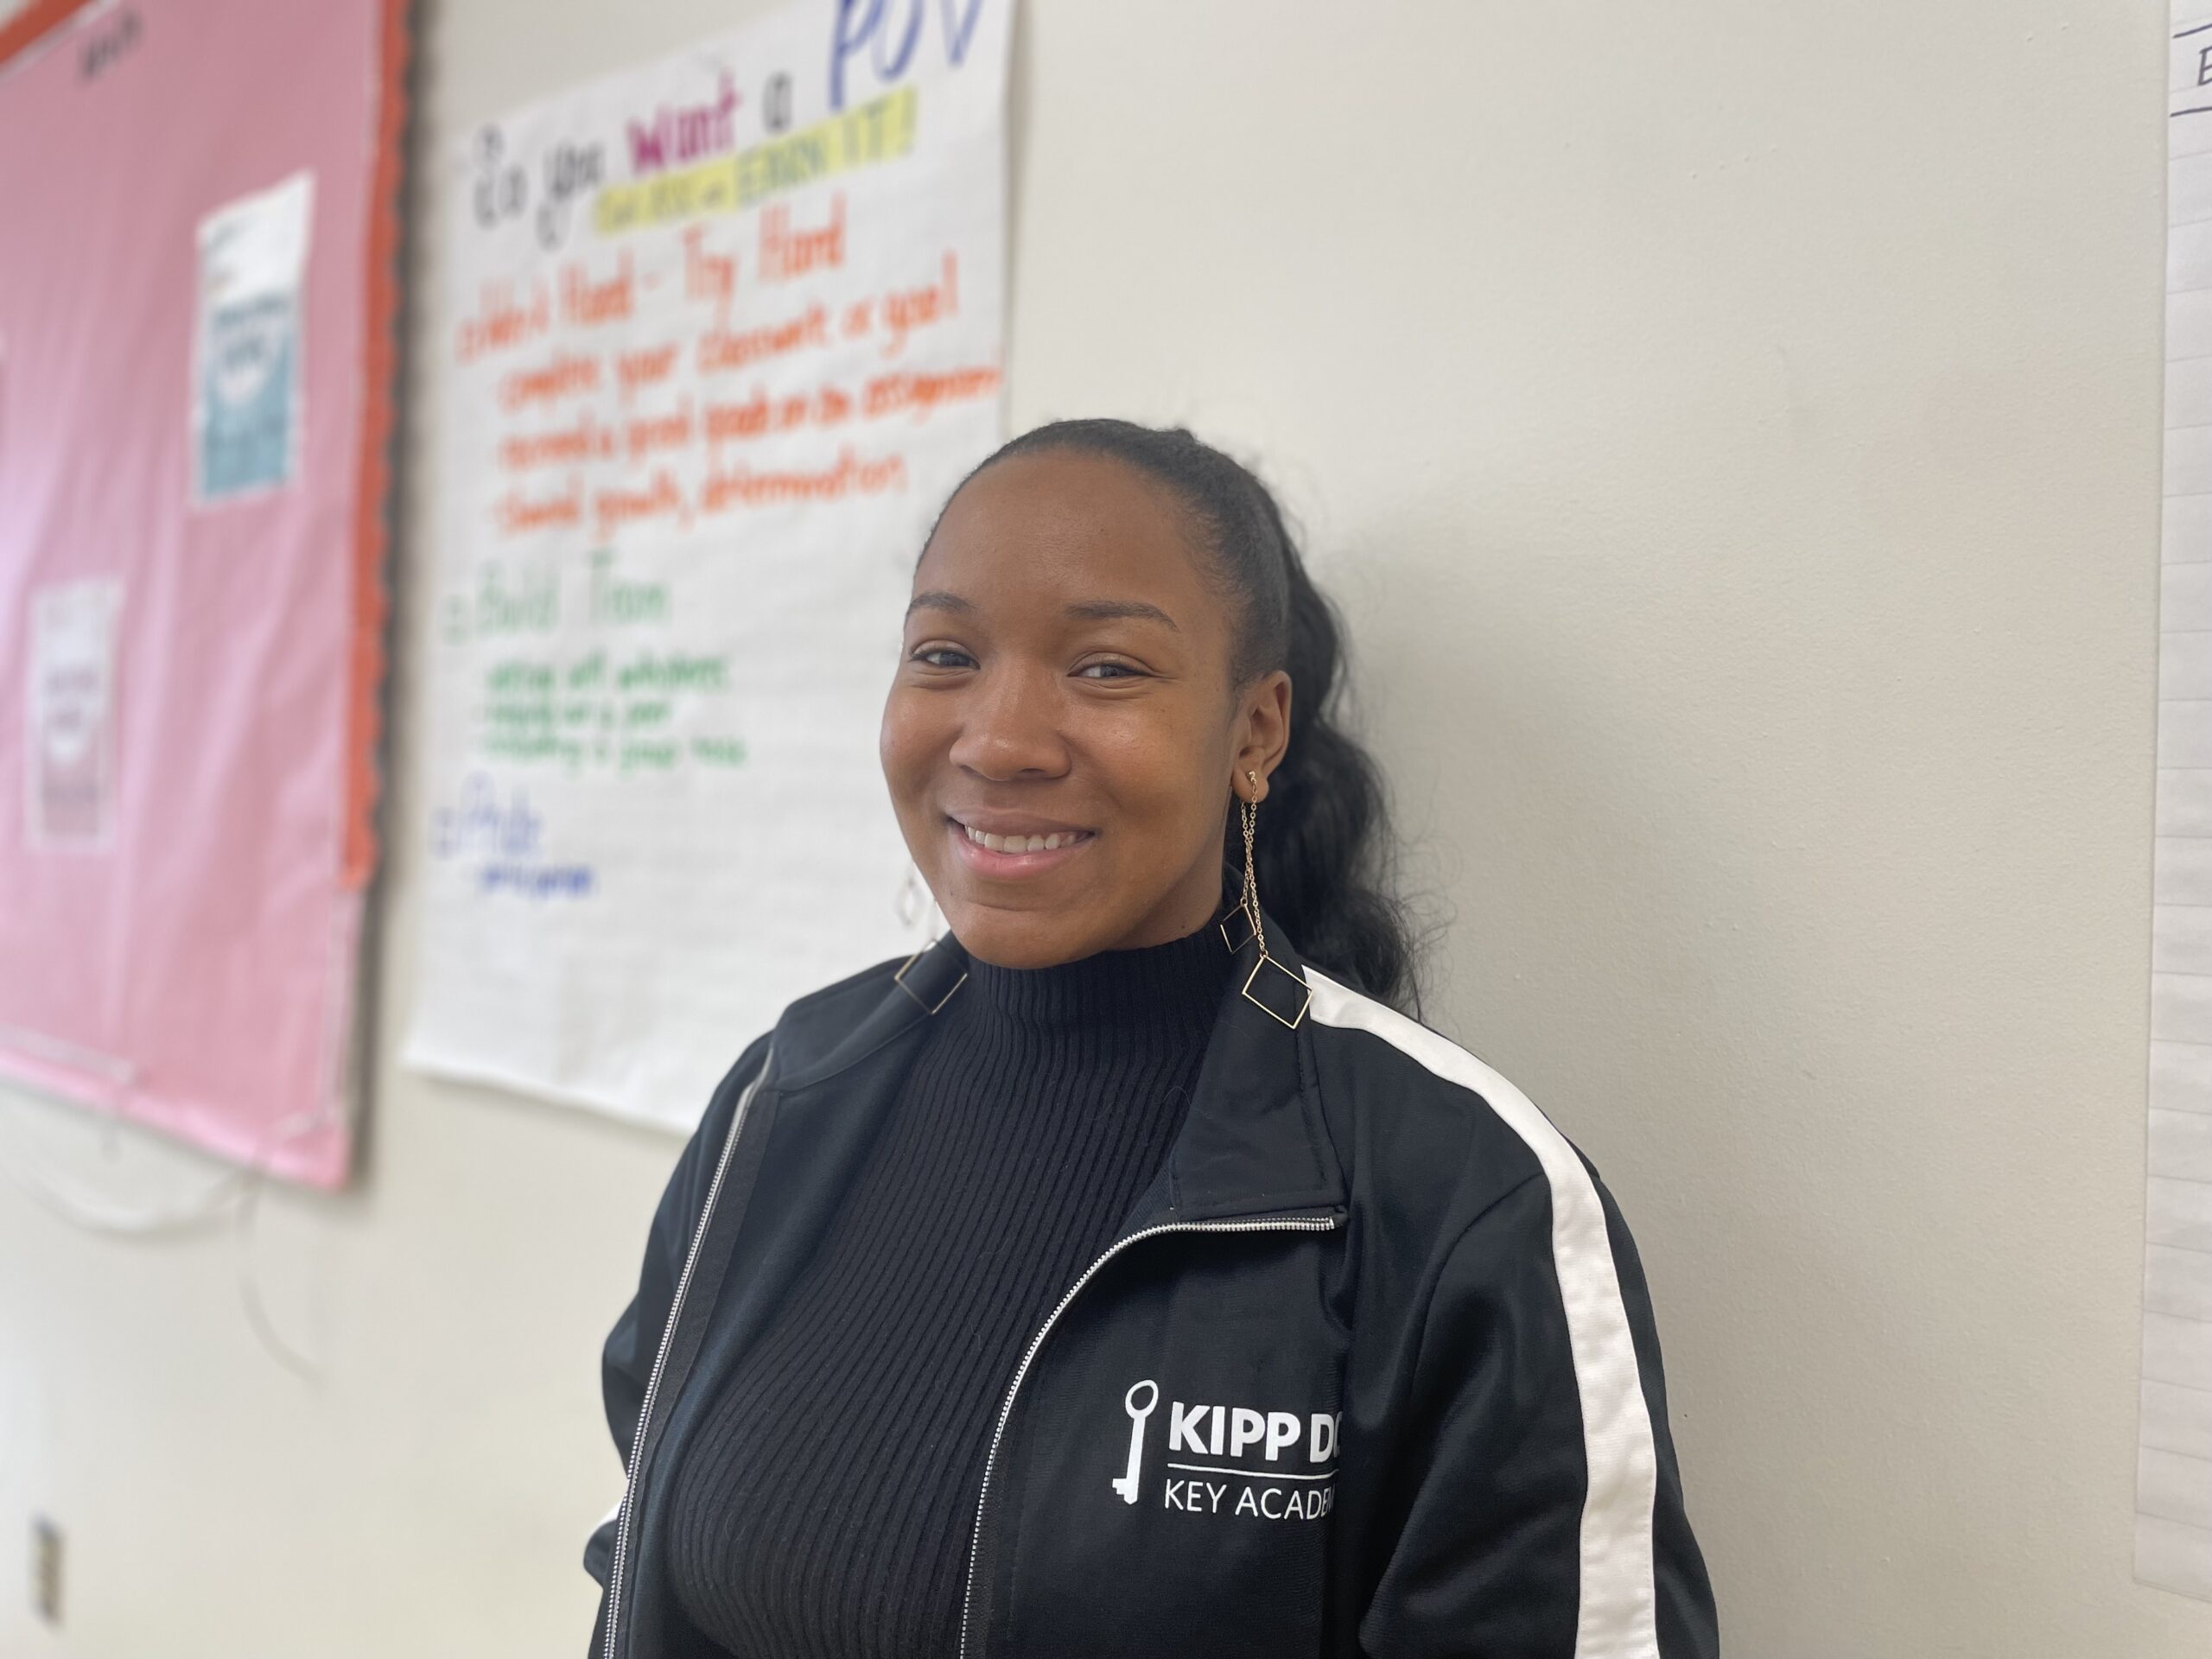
{"x": 1064, "y": 527}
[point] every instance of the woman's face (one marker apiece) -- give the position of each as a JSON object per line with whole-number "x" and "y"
{"x": 1062, "y": 738}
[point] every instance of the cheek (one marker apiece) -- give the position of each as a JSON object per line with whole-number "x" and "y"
{"x": 909, "y": 744}
{"x": 1167, "y": 780}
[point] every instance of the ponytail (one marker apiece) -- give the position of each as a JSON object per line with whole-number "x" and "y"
{"x": 1324, "y": 850}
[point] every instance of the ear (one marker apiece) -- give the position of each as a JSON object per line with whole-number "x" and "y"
{"x": 1261, "y": 734}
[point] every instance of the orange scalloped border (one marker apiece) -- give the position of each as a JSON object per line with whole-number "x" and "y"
{"x": 372, "y": 501}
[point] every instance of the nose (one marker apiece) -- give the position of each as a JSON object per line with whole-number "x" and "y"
{"x": 1010, "y": 728}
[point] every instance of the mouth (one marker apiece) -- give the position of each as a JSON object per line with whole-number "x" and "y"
{"x": 1008, "y": 849}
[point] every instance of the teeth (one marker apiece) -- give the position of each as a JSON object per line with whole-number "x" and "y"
{"x": 1050, "y": 843}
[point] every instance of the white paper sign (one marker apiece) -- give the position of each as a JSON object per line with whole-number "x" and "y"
{"x": 724, "y": 333}
{"x": 69, "y": 791}
{"x": 247, "y": 342}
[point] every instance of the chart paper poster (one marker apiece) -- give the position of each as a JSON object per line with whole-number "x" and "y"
{"x": 722, "y": 333}
{"x": 198, "y": 204}
{"x": 2173, "y": 1484}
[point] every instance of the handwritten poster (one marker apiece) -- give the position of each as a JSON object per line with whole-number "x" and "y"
{"x": 722, "y": 333}
{"x": 2173, "y": 1473}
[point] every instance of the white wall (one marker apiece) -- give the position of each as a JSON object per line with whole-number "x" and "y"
{"x": 1736, "y": 436}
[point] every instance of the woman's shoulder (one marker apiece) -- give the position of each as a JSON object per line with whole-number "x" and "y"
{"x": 857, "y": 991}
{"x": 1428, "y": 1128}
{"x": 827, "y": 1028}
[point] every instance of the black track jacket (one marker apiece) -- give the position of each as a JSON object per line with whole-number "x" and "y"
{"x": 1369, "y": 1370}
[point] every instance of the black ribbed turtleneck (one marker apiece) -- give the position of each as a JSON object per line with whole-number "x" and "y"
{"x": 822, "y": 1509}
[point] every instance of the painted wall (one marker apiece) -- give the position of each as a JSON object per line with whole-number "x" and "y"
{"x": 1735, "y": 436}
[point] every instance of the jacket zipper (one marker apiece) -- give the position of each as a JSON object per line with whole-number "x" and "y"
{"x": 667, "y": 1337}
{"x": 1251, "y": 1224}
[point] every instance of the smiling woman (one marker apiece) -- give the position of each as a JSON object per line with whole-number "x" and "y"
{"x": 925, "y": 1353}
{"x": 1113, "y": 640}
{"x": 1068, "y": 679}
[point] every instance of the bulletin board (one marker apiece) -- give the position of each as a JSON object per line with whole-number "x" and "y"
{"x": 722, "y": 331}
{"x": 196, "y": 359}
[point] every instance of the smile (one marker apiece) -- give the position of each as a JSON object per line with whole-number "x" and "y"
{"x": 1050, "y": 843}
{"x": 1010, "y": 850}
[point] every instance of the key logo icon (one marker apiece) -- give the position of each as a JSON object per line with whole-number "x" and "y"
{"x": 1126, "y": 1483}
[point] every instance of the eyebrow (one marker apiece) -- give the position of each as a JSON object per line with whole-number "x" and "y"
{"x": 1089, "y": 610}
{"x": 1106, "y": 610}
{"x": 935, "y": 600}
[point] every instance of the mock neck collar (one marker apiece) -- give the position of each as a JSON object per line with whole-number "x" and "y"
{"x": 1252, "y": 1142}
{"x": 1171, "y": 990}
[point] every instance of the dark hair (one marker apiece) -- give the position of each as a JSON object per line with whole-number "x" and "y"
{"x": 1324, "y": 850}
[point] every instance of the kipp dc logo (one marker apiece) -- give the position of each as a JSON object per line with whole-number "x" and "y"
{"x": 1216, "y": 1431}
{"x": 1126, "y": 1483}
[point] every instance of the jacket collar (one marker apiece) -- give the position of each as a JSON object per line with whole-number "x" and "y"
{"x": 1252, "y": 1142}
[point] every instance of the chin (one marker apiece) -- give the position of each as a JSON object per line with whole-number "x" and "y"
{"x": 1021, "y": 939}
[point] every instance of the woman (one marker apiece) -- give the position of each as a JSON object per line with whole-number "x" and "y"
{"x": 1124, "y": 1275}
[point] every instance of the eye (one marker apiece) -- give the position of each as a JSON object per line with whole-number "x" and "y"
{"x": 943, "y": 657}
{"x": 1110, "y": 670}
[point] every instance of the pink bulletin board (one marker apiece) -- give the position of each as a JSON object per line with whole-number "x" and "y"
{"x": 199, "y": 200}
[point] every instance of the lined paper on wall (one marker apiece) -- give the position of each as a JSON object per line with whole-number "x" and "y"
{"x": 2173, "y": 1486}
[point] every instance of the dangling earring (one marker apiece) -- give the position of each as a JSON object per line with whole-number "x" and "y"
{"x": 1248, "y": 904}
{"x": 913, "y": 898}
{"x": 1248, "y": 894}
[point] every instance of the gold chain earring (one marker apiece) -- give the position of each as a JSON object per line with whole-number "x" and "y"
{"x": 1248, "y": 905}
{"x": 1251, "y": 871}
{"x": 1248, "y": 892}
